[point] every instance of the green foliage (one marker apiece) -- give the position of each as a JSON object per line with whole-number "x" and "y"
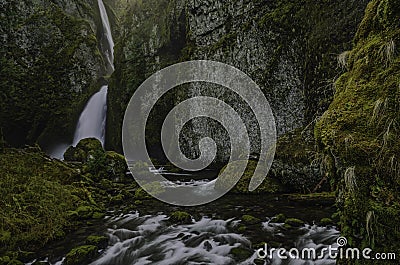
{"x": 36, "y": 195}
{"x": 81, "y": 255}
{"x": 361, "y": 131}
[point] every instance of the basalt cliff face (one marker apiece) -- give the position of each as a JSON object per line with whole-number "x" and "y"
{"x": 50, "y": 63}
{"x": 289, "y": 48}
{"x": 359, "y": 133}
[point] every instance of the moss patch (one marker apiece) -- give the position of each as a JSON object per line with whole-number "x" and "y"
{"x": 360, "y": 132}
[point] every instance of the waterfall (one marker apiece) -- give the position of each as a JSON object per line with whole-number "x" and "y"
{"x": 92, "y": 121}
{"x": 109, "y": 50}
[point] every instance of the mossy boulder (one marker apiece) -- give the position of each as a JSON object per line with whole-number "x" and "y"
{"x": 81, "y": 255}
{"x": 269, "y": 185}
{"x": 326, "y": 221}
{"x": 250, "y": 220}
{"x": 83, "y": 150}
{"x": 117, "y": 166}
{"x": 294, "y": 222}
{"x": 296, "y": 164}
{"x": 240, "y": 253}
{"x": 279, "y": 218}
{"x": 180, "y": 217}
{"x": 99, "y": 241}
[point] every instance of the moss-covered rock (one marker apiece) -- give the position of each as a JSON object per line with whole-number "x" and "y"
{"x": 296, "y": 164}
{"x": 98, "y": 241}
{"x": 83, "y": 150}
{"x": 250, "y": 220}
{"x": 116, "y": 166}
{"x": 81, "y": 255}
{"x": 360, "y": 135}
{"x": 241, "y": 254}
{"x": 269, "y": 185}
{"x": 294, "y": 222}
{"x": 180, "y": 217}
{"x": 37, "y": 194}
{"x": 326, "y": 221}
{"x": 279, "y": 218}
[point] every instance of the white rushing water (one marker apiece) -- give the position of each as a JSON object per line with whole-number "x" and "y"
{"x": 92, "y": 121}
{"x": 151, "y": 240}
{"x": 107, "y": 32}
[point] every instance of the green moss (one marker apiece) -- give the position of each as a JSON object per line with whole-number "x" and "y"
{"x": 279, "y": 218}
{"x": 360, "y": 131}
{"x": 294, "y": 222}
{"x": 98, "y": 215}
{"x": 242, "y": 229}
{"x": 36, "y": 196}
{"x": 250, "y": 220}
{"x": 326, "y": 221}
{"x": 181, "y": 217}
{"x": 240, "y": 254}
{"x": 98, "y": 241}
{"x": 81, "y": 255}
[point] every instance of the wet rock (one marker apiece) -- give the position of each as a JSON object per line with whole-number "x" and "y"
{"x": 294, "y": 222}
{"x": 99, "y": 241}
{"x": 207, "y": 245}
{"x": 250, "y": 220}
{"x": 180, "y": 217}
{"x": 226, "y": 180}
{"x": 81, "y": 255}
{"x": 241, "y": 254}
{"x": 326, "y": 221}
{"x": 83, "y": 150}
{"x": 279, "y": 218}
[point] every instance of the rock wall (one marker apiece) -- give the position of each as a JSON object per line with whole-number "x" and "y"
{"x": 359, "y": 133}
{"x": 288, "y": 47}
{"x": 50, "y": 63}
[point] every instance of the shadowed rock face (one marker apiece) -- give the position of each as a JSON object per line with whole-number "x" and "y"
{"x": 49, "y": 66}
{"x": 288, "y": 48}
{"x": 359, "y": 132}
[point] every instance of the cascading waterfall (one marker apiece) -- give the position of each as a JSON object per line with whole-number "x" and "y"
{"x": 109, "y": 50}
{"x": 92, "y": 121}
{"x": 93, "y": 118}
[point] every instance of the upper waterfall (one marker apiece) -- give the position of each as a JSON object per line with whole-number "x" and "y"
{"x": 92, "y": 121}
{"x": 109, "y": 50}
